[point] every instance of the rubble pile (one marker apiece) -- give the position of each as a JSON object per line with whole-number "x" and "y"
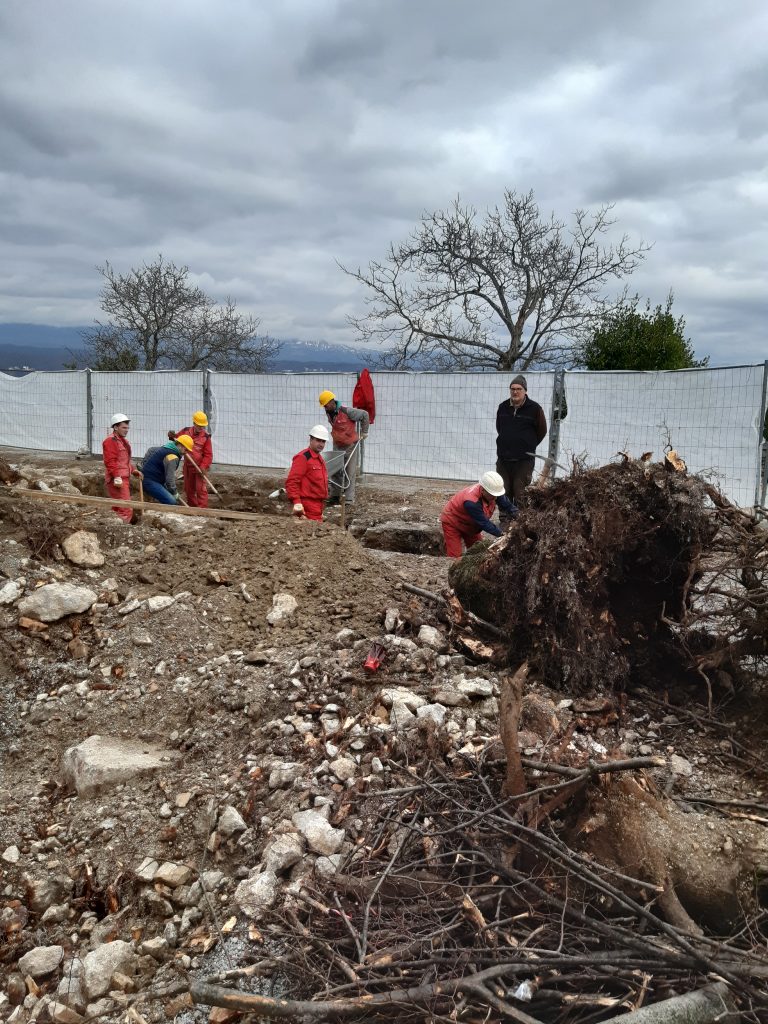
{"x": 207, "y": 797}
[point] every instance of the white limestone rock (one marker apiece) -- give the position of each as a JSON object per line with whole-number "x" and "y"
{"x": 257, "y": 893}
{"x": 283, "y": 609}
{"x": 41, "y": 960}
{"x": 320, "y": 835}
{"x": 102, "y": 762}
{"x": 100, "y": 964}
{"x": 82, "y": 548}
{"x": 282, "y": 852}
{"x": 56, "y": 600}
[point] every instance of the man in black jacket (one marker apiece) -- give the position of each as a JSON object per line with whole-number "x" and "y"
{"x": 520, "y": 427}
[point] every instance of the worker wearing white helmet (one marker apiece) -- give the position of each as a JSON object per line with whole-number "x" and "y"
{"x": 468, "y": 514}
{"x": 118, "y": 465}
{"x": 307, "y": 482}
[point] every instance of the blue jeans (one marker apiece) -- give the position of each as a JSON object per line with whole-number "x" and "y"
{"x": 159, "y": 493}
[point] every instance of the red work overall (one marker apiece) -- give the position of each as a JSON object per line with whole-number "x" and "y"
{"x": 194, "y": 486}
{"x": 117, "y": 462}
{"x": 458, "y": 525}
{"x": 307, "y": 483}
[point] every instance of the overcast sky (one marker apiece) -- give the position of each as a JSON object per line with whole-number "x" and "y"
{"x": 260, "y": 141}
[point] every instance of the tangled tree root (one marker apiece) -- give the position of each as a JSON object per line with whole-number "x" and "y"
{"x": 709, "y": 868}
{"x": 608, "y": 576}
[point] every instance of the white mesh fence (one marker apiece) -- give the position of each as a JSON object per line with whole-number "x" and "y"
{"x": 432, "y": 425}
{"x": 155, "y": 402}
{"x": 442, "y": 424}
{"x": 712, "y": 417}
{"x": 264, "y": 419}
{"x": 45, "y": 411}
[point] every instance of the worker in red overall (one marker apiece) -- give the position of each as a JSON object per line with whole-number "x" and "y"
{"x": 195, "y": 487}
{"x": 307, "y": 481}
{"x": 118, "y": 467}
{"x": 468, "y": 514}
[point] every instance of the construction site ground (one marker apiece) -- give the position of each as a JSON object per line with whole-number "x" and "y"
{"x": 262, "y": 719}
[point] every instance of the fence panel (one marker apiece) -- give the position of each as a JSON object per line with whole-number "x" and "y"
{"x": 155, "y": 401}
{"x": 264, "y": 419}
{"x": 442, "y": 424}
{"x": 712, "y": 417}
{"x": 430, "y": 424}
{"x": 47, "y": 411}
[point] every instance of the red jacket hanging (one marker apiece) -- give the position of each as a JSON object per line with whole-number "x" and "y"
{"x": 363, "y": 396}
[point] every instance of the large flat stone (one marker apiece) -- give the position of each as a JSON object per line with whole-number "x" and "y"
{"x": 101, "y": 762}
{"x": 56, "y": 600}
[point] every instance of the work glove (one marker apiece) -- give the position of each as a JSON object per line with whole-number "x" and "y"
{"x": 118, "y": 481}
{"x": 298, "y": 509}
{"x": 363, "y": 437}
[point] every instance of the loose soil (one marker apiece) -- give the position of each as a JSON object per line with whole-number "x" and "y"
{"x": 210, "y": 679}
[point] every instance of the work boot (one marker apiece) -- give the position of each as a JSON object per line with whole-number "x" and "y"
{"x": 334, "y": 500}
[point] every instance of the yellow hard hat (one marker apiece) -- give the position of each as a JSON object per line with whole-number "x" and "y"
{"x": 200, "y": 419}
{"x": 185, "y": 441}
{"x": 326, "y": 397}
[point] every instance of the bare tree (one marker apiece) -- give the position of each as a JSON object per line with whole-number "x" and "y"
{"x": 159, "y": 320}
{"x": 504, "y": 291}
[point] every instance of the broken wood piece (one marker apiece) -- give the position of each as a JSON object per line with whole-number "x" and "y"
{"x": 509, "y": 723}
{"x": 107, "y": 503}
{"x": 470, "y": 616}
{"x": 713, "y": 1003}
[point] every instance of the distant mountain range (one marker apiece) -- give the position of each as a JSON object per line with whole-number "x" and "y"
{"x": 43, "y": 347}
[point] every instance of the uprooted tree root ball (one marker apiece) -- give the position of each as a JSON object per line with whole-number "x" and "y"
{"x": 596, "y": 581}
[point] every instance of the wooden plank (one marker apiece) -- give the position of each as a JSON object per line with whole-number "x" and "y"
{"x": 107, "y": 503}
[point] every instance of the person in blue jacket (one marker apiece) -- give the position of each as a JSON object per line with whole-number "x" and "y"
{"x": 160, "y": 466}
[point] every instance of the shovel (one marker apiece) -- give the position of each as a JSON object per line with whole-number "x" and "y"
{"x": 202, "y": 474}
{"x": 139, "y": 512}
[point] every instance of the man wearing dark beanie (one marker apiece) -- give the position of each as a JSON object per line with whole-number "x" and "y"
{"x": 520, "y": 427}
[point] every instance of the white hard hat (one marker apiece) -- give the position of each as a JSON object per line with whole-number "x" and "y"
{"x": 119, "y": 417}
{"x": 492, "y": 483}
{"x": 320, "y": 432}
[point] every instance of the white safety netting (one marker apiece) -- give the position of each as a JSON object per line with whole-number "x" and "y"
{"x": 427, "y": 424}
{"x": 154, "y": 401}
{"x": 264, "y": 419}
{"x": 711, "y": 417}
{"x": 45, "y": 411}
{"x": 443, "y": 424}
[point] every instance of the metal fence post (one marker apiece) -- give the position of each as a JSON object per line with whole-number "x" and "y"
{"x": 88, "y": 412}
{"x": 207, "y": 394}
{"x": 361, "y": 460}
{"x": 555, "y": 415}
{"x": 762, "y": 445}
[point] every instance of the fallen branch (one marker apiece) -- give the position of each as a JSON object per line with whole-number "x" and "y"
{"x": 343, "y": 1009}
{"x": 471, "y": 617}
{"x": 708, "y": 1005}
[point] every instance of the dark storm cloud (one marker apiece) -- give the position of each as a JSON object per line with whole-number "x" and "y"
{"x": 260, "y": 143}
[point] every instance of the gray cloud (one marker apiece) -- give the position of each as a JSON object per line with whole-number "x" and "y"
{"x": 260, "y": 143}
